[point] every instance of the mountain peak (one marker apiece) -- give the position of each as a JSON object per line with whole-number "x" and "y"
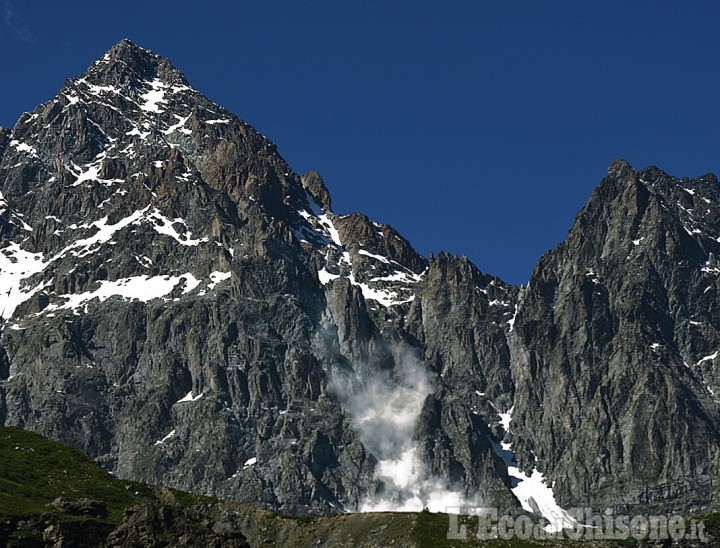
{"x": 620, "y": 168}
{"x": 128, "y": 45}
{"x": 126, "y": 63}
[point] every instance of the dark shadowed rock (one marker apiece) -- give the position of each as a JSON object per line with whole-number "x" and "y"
{"x": 162, "y": 525}
{"x": 80, "y": 507}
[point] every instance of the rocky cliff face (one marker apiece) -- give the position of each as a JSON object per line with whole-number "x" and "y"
{"x": 616, "y": 343}
{"x": 183, "y": 307}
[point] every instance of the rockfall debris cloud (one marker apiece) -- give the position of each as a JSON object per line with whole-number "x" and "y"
{"x": 385, "y": 405}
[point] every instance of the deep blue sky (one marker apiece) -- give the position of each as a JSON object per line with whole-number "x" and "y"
{"x": 476, "y": 127}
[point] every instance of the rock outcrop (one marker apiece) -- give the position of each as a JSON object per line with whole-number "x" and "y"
{"x": 615, "y": 346}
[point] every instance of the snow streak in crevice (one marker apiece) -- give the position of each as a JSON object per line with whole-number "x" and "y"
{"x": 532, "y": 491}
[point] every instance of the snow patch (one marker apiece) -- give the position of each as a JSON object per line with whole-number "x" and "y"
{"x": 592, "y": 275}
{"x": 163, "y": 225}
{"x": 170, "y": 435}
{"x": 511, "y": 321}
{"x": 332, "y": 232}
{"x": 372, "y": 255}
{"x": 218, "y": 277}
{"x": 385, "y": 297}
{"x": 23, "y": 147}
{"x": 326, "y": 277}
{"x": 189, "y": 397}
{"x": 141, "y": 134}
{"x": 85, "y": 246}
{"x": 72, "y": 99}
{"x": 91, "y": 172}
{"x": 710, "y": 269}
{"x": 179, "y": 126}
{"x": 154, "y": 97}
{"x": 506, "y": 418}
{"x": 709, "y": 358}
{"x": 139, "y": 288}
{"x": 16, "y": 265}
{"x": 532, "y": 492}
{"x": 407, "y": 277}
{"x": 535, "y": 496}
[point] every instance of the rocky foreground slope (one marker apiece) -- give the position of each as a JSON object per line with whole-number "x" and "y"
{"x": 180, "y": 305}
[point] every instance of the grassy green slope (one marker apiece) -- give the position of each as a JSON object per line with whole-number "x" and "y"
{"x": 34, "y": 471}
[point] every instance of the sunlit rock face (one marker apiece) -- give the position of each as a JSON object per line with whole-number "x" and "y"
{"x": 186, "y": 309}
